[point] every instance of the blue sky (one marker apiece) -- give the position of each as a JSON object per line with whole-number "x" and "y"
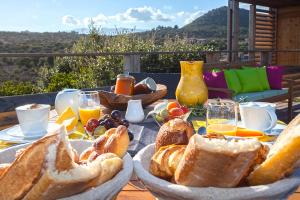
{"x": 65, "y": 15}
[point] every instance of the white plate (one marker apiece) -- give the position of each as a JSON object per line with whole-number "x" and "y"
{"x": 14, "y": 134}
{"x": 105, "y": 191}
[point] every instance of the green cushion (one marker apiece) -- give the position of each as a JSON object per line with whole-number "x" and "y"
{"x": 216, "y": 70}
{"x": 262, "y": 75}
{"x": 249, "y": 80}
{"x": 232, "y": 81}
{"x": 256, "y": 96}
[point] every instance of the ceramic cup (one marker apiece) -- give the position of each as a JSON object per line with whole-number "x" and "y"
{"x": 150, "y": 83}
{"x": 135, "y": 112}
{"x": 258, "y": 115}
{"x": 33, "y": 118}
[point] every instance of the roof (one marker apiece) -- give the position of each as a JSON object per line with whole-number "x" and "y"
{"x": 272, "y": 3}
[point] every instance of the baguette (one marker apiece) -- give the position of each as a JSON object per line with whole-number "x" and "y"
{"x": 63, "y": 177}
{"x": 27, "y": 168}
{"x": 216, "y": 162}
{"x": 282, "y": 157}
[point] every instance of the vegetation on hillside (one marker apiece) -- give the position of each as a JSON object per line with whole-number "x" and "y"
{"x": 212, "y": 25}
{"x": 91, "y": 72}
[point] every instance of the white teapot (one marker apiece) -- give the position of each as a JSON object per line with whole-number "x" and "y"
{"x": 258, "y": 115}
{"x": 67, "y": 98}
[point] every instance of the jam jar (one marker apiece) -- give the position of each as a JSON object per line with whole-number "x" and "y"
{"x": 124, "y": 84}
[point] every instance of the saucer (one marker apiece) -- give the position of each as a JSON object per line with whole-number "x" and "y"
{"x": 14, "y": 134}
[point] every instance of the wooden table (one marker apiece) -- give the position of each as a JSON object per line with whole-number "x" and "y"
{"x": 134, "y": 190}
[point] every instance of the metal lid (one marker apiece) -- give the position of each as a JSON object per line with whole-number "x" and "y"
{"x": 125, "y": 76}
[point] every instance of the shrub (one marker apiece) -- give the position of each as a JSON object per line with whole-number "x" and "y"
{"x": 9, "y": 88}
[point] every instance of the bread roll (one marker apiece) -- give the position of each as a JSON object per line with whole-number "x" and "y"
{"x": 111, "y": 164}
{"x": 115, "y": 140}
{"x": 216, "y": 162}
{"x": 175, "y": 131}
{"x": 164, "y": 162}
{"x": 118, "y": 142}
{"x": 282, "y": 157}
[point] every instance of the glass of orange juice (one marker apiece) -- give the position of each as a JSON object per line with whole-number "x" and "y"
{"x": 221, "y": 117}
{"x": 89, "y": 106}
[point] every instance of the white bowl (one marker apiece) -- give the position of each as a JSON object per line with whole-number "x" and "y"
{"x": 165, "y": 190}
{"x": 107, "y": 190}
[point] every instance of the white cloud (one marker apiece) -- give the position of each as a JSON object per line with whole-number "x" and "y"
{"x": 70, "y": 20}
{"x": 140, "y": 15}
{"x": 143, "y": 14}
{"x": 192, "y": 16}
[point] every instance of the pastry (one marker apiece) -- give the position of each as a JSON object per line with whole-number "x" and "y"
{"x": 175, "y": 131}
{"x": 216, "y": 162}
{"x": 115, "y": 140}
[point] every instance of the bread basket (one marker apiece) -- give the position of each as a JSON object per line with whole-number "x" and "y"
{"x": 162, "y": 189}
{"x": 108, "y": 190}
{"x": 119, "y": 102}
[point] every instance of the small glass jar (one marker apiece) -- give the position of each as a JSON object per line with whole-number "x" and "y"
{"x": 124, "y": 84}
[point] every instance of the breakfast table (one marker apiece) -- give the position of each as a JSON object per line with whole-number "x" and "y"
{"x": 144, "y": 134}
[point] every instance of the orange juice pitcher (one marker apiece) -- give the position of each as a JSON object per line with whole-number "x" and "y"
{"x": 191, "y": 89}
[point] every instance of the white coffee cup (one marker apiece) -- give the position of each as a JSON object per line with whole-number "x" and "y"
{"x": 258, "y": 115}
{"x": 33, "y": 120}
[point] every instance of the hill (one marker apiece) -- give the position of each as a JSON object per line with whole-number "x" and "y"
{"x": 212, "y": 25}
{"x": 32, "y": 42}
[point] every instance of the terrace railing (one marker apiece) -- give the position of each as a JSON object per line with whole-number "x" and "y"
{"x": 132, "y": 63}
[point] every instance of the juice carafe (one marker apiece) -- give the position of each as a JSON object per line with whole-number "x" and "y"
{"x": 191, "y": 89}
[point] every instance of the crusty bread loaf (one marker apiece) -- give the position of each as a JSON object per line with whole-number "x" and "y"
{"x": 216, "y": 162}
{"x": 115, "y": 140}
{"x": 164, "y": 162}
{"x": 175, "y": 131}
{"x": 282, "y": 156}
{"x": 63, "y": 177}
{"x": 4, "y": 167}
{"x": 21, "y": 175}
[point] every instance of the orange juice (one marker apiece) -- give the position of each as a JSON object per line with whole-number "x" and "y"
{"x": 224, "y": 129}
{"x": 89, "y": 112}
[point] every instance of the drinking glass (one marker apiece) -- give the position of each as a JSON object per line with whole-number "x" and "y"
{"x": 221, "y": 117}
{"x": 89, "y": 106}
